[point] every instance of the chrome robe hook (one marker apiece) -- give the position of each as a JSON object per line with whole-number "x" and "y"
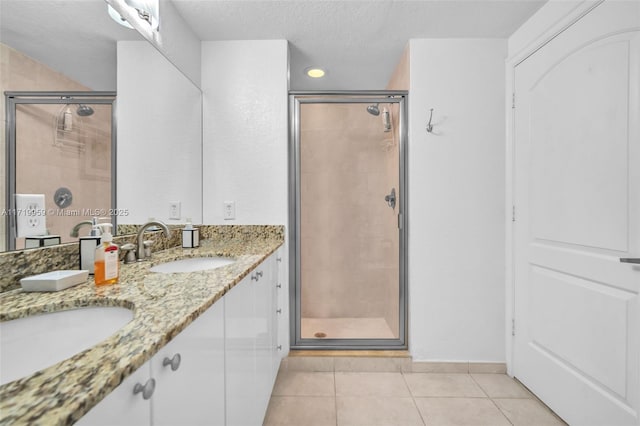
{"x": 429, "y": 125}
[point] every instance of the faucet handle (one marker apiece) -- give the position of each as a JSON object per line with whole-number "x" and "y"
{"x": 130, "y": 253}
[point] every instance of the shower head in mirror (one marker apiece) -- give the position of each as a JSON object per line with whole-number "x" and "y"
{"x": 373, "y": 109}
{"x": 84, "y": 110}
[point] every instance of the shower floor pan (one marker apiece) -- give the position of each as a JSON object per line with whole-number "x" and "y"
{"x": 346, "y": 328}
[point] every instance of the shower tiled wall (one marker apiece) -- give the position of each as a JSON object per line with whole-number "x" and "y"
{"x": 51, "y": 166}
{"x": 349, "y": 236}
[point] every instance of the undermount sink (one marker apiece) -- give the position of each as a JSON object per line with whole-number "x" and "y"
{"x": 192, "y": 264}
{"x": 32, "y": 343}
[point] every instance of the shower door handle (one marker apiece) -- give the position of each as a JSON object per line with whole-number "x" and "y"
{"x": 391, "y": 198}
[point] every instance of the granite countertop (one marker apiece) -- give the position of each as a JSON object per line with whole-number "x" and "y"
{"x": 163, "y": 305}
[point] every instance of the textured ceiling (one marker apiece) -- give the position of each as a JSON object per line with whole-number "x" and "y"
{"x": 358, "y": 42}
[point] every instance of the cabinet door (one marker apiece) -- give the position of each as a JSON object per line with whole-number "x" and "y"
{"x": 282, "y": 300}
{"x": 190, "y": 391}
{"x": 240, "y": 368}
{"x": 122, "y": 407}
{"x": 265, "y": 312}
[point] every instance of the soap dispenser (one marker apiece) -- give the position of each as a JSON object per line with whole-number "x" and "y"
{"x": 88, "y": 246}
{"x": 107, "y": 266}
{"x": 190, "y": 236}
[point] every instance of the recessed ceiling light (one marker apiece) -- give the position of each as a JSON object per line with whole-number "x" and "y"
{"x": 315, "y": 72}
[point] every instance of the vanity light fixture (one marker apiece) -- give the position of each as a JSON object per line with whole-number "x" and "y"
{"x": 315, "y": 72}
{"x": 146, "y": 10}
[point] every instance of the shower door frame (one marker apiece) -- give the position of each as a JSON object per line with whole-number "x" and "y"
{"x": 297, "y": 98}
{"x": 15, "y": 98}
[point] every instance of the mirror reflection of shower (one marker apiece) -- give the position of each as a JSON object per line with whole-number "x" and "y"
{"x": 386, "y": 116}
{"x": 82, "y": 110}
{"x": 59, "y": 141}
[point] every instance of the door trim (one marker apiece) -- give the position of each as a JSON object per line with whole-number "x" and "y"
{"x": 296, "y": 98}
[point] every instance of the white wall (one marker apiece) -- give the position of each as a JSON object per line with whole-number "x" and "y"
{"x": 244, "y": 86}
{"x": 456, "y": 200}
{"x": 159, "y": 137}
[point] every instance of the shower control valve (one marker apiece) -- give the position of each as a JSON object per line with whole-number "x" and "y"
{"x": 391, "y": 198}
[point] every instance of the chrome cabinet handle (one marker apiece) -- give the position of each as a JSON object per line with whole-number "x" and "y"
{"x": 278, "y": 259}
{"x": 147, "y": 389}
{"x": 254, "y": 277}
{"x": 259, "y": 274}
{"x": 278, "y": 311}
{"x": 173, "y": 362}
{"x": 630, "y": 260}
{"x": 279, "y": 285}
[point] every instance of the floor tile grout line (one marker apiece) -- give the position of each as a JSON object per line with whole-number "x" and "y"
{"x": 479, "y": 385}
{"x": 413, "y": 398}
{"x": 501, "y": 412}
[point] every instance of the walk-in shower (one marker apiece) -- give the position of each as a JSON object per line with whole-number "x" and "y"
{"x": 349, "y": 287}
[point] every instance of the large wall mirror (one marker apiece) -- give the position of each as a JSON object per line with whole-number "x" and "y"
{"x": 78, "y": 115}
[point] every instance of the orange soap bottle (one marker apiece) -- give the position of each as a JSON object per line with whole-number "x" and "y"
{"x": 107, "y": 267}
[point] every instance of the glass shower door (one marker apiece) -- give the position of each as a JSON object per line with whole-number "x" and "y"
{"x": 349, "y": 206}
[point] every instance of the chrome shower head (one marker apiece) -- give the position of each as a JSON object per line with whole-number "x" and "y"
{"x": 84, "y": 110}
{"x": 373, "y": 109}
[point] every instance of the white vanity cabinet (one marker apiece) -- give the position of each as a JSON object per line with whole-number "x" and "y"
{"x": 220, "y": 370}
{"x": 265, "y": 317}
{"x": 122, "y": 406}
{"x": 189, "y": 374}
{"x": 282, "y": 295}
{"x": 189, "y": 387}
{"x": 251, "y": 326}
{"x": 240, "y": 355}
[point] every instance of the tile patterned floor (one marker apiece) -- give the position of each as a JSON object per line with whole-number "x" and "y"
{"x": 302, "y": 398}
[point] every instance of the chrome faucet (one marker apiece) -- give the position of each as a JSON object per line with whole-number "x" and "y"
{"x": 75, "y": 231}
{"x": 141, "y": 249}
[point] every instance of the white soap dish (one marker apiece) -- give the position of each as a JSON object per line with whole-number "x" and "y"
{"x": 54, "y": 281}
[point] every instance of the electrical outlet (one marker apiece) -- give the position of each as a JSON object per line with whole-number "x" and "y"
{"x": 174, "y": 210}
{"x": 30, "y": 215}
{"x": 229, "y": 210}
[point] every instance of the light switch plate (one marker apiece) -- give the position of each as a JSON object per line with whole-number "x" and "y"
{"x": 229, "y": 212}
{"x": 174, "y": 209}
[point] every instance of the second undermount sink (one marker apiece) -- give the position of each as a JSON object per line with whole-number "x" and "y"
{"x": 192, "y": 264}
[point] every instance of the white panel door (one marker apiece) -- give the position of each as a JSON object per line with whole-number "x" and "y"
{"x": 577, "y": 199}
